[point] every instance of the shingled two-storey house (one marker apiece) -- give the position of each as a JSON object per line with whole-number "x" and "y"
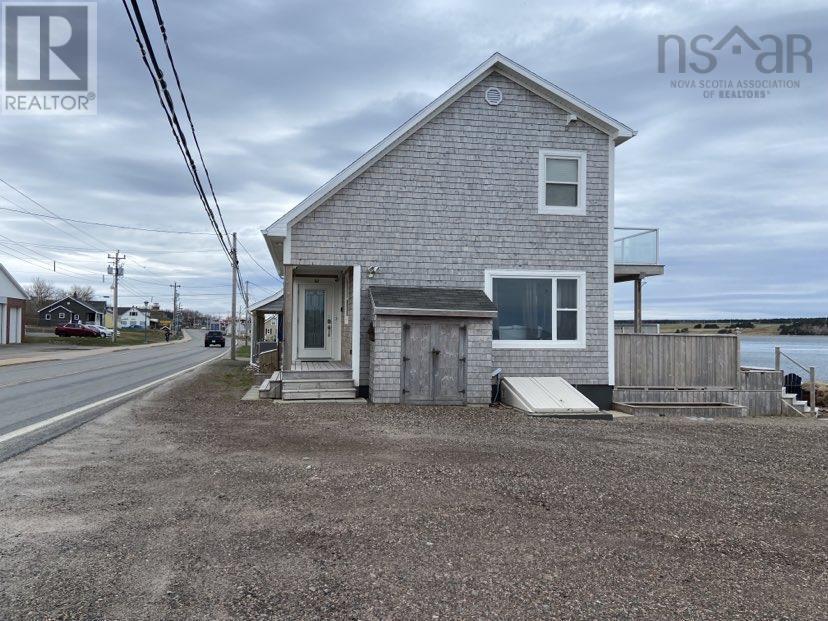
{"x": 477, "y": 236}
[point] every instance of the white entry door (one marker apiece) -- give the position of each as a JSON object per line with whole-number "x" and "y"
{"x": 315, "y": 325}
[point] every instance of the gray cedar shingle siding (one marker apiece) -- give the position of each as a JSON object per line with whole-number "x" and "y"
{"x": 385, "y": 368}
{"x": 460, "y": 196}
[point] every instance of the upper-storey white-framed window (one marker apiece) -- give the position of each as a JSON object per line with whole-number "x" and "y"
{"x": 538, "y": 309}
{"x": 562, "y": 182}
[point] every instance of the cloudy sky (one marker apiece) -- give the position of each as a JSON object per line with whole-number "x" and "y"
{"x": 286, "y": 93}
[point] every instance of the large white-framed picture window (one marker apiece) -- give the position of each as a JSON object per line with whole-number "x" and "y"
{"x": 562, "y": 182}
{"x": 538, "y": 309}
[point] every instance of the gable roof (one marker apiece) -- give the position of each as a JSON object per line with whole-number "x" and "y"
{"x": 69, "y": 297}
{"x": 14, "y": 283}
{"x": 55, "y": 308}
{"x": 272, "y": 303}
{"x": 496, "y": 62}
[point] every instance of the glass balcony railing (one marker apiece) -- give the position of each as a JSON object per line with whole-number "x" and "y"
{"x": 636, "y": 246}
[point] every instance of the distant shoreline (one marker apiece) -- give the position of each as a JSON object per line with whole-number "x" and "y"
{"x": 765, "y": 327}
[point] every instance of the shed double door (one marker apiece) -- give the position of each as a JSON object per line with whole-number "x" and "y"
{"x": 434, "y": 362}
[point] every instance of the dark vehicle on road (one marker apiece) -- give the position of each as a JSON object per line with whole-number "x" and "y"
{"x": 76, "y": 329}
{"x": 214, "y": 337}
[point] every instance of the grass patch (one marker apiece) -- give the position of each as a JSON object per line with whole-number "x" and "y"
{"x": 234, "y": 374}
{"x": 672, "y": 327}
{"x": 243, "y": 351}
{"x": 127, "y": 337}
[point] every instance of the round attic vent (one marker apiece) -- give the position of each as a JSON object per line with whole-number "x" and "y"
{"x": 493, "y": 96}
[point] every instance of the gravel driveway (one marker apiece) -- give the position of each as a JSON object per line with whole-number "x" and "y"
{"x": 192, "y": 504}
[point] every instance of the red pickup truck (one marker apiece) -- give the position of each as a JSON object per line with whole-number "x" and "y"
{"x": 76, "y": 329}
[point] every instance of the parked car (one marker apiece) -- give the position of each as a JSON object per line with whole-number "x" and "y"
{"x": 98, "y": 330}
{"x": 214, "y": 337}
{"x": 76, "y": 329}
{"x": 107, "y": 332}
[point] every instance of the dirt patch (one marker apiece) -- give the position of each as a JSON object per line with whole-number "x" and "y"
{"x": 193, "y": 504}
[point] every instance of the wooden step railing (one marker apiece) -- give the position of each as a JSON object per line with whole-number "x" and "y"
{"x": 811, "y": 371}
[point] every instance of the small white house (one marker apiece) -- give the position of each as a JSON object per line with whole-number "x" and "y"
{"x": 12, "y": 302}
{"x": 133, "y": 317}
{"x": 271, "y": 328}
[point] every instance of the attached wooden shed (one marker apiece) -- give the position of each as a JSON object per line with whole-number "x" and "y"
{"x": 430, "y": 345}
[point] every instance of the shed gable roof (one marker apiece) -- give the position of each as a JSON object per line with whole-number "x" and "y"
{"x": 497, "y": 62}
{"x": 431, "y": 301}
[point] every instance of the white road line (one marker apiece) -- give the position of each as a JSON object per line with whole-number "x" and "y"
{"x": 59, "y": 417}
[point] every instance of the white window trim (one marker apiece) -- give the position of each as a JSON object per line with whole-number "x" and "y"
{"x": 48, "y": 316}
{"x": 61, "y": 315}
{"x": 564, "y": 154}
{"x": 580, "y": 343}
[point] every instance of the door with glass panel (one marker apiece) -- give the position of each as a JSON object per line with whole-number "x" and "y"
{"x": 315, "y": 325}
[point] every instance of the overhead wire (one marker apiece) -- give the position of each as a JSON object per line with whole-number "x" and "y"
{"x": 44, "y": 208}
{"x": 148, "y": 56}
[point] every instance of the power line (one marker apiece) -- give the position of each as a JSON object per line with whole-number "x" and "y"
{"x": 106, "y": 224}
{"x": 15, "y": 255}
{"x": 44, "y": 208}
{"x": 157, "y": 75}
{"x": 45, "y": 218}
{"x": 252, "y": 258}
{"x": 75, "y": 249}
{"x": 187, "y": 111}
{"x": 35, "y": 255}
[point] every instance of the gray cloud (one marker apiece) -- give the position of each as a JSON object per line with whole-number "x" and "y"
{"x": 285, "y": 94}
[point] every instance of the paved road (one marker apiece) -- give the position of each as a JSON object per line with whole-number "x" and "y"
{"x": 30, "y": 393}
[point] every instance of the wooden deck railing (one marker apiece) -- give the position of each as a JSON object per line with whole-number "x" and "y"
{"x": 677, "y": 360}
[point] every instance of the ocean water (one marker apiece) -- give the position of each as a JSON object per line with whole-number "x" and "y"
{"x": 809, "y": 351}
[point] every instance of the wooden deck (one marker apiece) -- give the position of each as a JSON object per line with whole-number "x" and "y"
{"x": 319, "y": 365}
{"x": 689, "y": 368}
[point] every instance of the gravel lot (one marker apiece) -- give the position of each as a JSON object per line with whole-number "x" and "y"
{"x": 192, "y": 504}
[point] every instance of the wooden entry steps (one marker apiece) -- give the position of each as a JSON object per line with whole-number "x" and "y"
{"x": 309, "y": 384}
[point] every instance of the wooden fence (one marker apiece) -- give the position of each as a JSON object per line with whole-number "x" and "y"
{"x": 677, "y": 360}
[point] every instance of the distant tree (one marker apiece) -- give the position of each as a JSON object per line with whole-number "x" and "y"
{"x": 81, "y": 293}
{"x": 41, "y": 291}
{"x": 697, "y": 326}
{"x": 711, "y": 326}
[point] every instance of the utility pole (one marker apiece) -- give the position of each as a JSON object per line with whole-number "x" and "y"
{"x": 146, "y": 312}
{"x": 174, "y": 326}
{"x": 116, "y": 272}
{"x": 246, "y": 311}
{"x": 235, "y": 260}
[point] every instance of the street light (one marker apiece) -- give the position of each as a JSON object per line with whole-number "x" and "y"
{"x": 146, "y": 310}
